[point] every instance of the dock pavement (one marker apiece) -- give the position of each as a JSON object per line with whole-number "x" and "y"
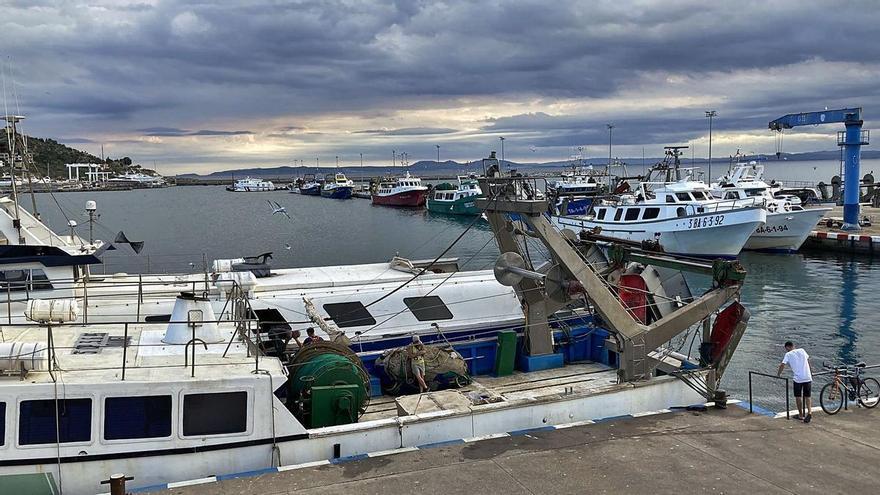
{"x": 716, "y": 451}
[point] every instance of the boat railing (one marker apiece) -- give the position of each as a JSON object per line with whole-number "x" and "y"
{"x": 725, "y": 205}
{"x": 97, "y": 289}
{"x": 247, "y": 331}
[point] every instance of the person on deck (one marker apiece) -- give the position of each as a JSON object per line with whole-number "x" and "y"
{"x": 312, "y": 338}
{"x": 416, "y": 354}
{"x": 799, "y": 362}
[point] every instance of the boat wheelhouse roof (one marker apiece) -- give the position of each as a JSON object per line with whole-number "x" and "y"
{"x": 147, "y": 359}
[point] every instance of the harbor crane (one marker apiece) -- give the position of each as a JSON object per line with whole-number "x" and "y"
{"x": 852, "y": 139}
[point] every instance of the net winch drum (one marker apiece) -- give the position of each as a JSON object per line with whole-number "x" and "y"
{"x": 52, "y": 311}
{"x": 192, "y": 311}
{"x": 16, "y": 357}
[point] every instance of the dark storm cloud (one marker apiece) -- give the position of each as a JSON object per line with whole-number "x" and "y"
{"x": 175, "y": 132}
{"x": 115, "y": 66}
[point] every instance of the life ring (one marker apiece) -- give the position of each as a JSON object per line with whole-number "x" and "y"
{"x": 787, "y": 206}
{"x": 772, "y": 207}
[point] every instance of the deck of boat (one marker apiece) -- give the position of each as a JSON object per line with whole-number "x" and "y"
{"x": 580, "y": 378}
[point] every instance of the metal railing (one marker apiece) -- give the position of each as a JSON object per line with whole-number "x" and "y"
{"x": 775, "y": 377}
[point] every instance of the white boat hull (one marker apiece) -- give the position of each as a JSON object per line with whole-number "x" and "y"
{"x": 156, "y": 469}
{"x": 718, "y": 234}
{"x": 785, "y": 231}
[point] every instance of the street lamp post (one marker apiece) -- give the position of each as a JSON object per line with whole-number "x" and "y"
{"x": 438, "y": 154}
{"x": 710, "y": 114}
{"x": 608, "y": 167}
{"x": 502, "y": 153}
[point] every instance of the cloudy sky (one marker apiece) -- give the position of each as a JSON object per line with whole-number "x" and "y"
{"x": 211, "y": 85}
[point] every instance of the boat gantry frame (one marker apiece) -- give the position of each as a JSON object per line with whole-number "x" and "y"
{"x": 572, "y": 276}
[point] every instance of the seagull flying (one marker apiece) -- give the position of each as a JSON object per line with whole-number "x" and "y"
{"x": 276, "y": 208}
{"x": 287, "y": 246}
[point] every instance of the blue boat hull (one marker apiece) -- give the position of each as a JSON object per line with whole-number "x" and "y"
{"x": 337, "y": 193}
{"x": 310, "y": 191}
{"x": 577, "y": 206}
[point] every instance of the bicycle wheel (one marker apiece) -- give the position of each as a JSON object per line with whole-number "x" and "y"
{"x": 869, "y": 392}
{"x": 831, "y": 398}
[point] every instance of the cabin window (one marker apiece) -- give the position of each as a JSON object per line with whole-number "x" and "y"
{"x": 601, "y": 214}
{"x": 428, "y": 308}
{"x": 754, "y": 192}
{"x": 651, "y": 213}
{"x": 137, "y": 417}
{"x": 2, "y": 424}
{"x": 349, "y": 314}
{"x": 730, "y": 195}
{"x": 670, "y": 198}
{"x": 20, "y": 280}
{"x": 39, "y": 280}
{"x": 683, "y": 196}
{"x": 632, "y": 214}
{"x": 214, "y": 414}
{"x": 617, "y": 214}
{"x": 680, "y": 212}
{"x": 13, "y": 280}
{"x": 36, "y": 421}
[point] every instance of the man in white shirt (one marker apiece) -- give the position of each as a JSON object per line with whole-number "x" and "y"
{"x": 799, "y": 362}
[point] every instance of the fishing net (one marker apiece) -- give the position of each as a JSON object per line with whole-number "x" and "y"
{"x": 444, "y": 368}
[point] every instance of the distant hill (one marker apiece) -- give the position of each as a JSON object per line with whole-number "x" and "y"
{"x": 52, "y": 156}
{"x": 450, "y": 168}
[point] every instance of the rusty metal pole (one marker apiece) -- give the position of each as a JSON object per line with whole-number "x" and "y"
{"x": 117, "y": 483}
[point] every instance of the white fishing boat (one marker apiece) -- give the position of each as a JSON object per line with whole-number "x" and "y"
{"x": 788, "y": 223}
{"x": 251, "y": 185}
{"x": 675, "y": 210}
{"x": 138, "y": 179}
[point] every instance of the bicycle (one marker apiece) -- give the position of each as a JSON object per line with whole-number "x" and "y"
{"x": 848, "y": 380}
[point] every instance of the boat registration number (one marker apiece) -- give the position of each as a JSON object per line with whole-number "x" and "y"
{"x": 709, "y": 221}
{"x": 772, "y": 229}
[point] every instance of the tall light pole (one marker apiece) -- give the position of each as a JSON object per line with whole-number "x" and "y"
{"x": 710, "y": 114}
{"x": 502, "y": 152}
{"x": 393, "y": 158}
{"x": 438, "y": 154}
{"x": 608, "y": 167}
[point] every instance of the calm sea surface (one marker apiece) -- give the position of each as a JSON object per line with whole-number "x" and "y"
{"x": 826, "y": 304}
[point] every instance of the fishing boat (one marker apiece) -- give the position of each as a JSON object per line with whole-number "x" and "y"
{"x": 574, "y": 192}
{"x": 251, "y": 185}
{"x": 309, "y": 185}
{"x": 400, "y": 191}
{"x": 216, "y": 394}
{"x": 337, "y": 186}
{"x": 675, "y": 210}
{"x": 138, "y": 179}
{"x": 455, "y": 199}
{"x": 788, "y": 223}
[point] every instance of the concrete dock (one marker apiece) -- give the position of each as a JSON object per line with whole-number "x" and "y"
{"x": 717, "y": 451}
{"x": 834, "y": 239}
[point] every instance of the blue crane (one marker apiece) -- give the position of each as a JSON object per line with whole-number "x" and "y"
{"x": 852, "y": 139}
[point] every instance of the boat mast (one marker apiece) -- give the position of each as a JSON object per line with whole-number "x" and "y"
{"x": 10, "y": 141}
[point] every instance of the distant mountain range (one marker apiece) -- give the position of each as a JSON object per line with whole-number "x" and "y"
{"x": 450, "y": 167}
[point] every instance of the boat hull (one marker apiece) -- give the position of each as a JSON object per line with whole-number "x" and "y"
{"x": 718, "y": 234}
{"x": 405, "y": 198}
{"x": 153, "y": 469}
{"x": 337, "y": 193}
{"x": 785, "y": 232}
{"x": 310, "y": 191}
{"x": 462, "y": 206}
{"x": 576, "y": 206}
